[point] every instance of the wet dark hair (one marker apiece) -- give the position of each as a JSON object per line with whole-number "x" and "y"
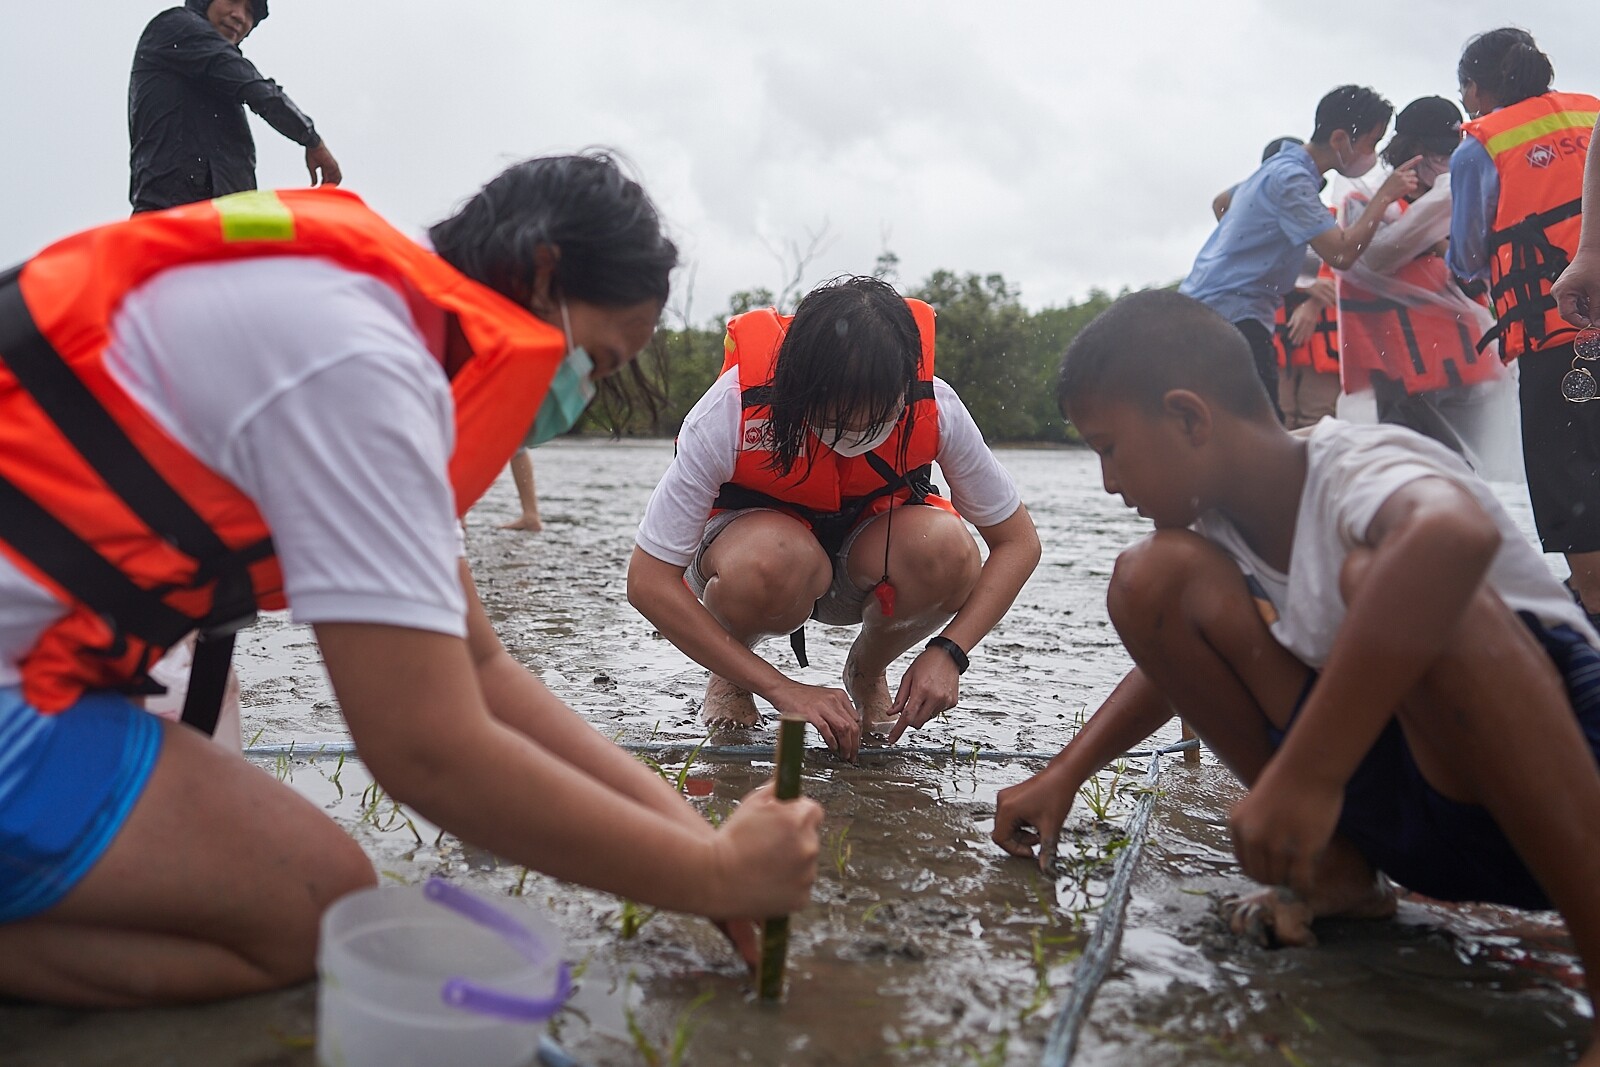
{"x": 1278, "y": 144}
{"x": 604, "y": 228}
{"x": 1506, "y": 64}
{"x": 611, "y": 250}
{"x": 851, "y": 351}
{"x": 1352, "y": 108}
{"x": 1431, "y": 125}
{"x": 1148, "y": 343}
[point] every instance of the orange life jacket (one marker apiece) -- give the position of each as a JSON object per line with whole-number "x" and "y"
{"x": 1422, "y": 347}
{"x": 1320, "y": 351}
{"x": 98, "y": 504}
{"x": 829, "y": 492}
{"x": 1538, "y": 147}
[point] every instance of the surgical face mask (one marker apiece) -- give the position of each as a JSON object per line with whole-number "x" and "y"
{"x": 850, "y": 445}
{"x": 1358, "y": 165}
{"x": 571, "y": 391}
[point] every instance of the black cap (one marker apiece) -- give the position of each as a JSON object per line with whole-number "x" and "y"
{"x": 1278, "y": 144}
{"x": 1432, "y": 124}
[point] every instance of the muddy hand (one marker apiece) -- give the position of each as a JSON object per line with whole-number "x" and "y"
{"x": 766, "y": 856}
{"x": 931, "y": 686}
{"x": 1271, "y": 918}
{"x": 1280, "y": 832}
{"x": 830, "y": 710}
{"x": 1031, "y": 813}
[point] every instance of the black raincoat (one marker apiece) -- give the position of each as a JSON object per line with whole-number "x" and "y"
{"x": 186, "y": 124}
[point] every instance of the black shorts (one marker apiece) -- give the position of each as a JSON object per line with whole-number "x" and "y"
{"x": 1561, "y": 452}
{"x": 1265, "y": 354}
{"x": 1440, "y": 847}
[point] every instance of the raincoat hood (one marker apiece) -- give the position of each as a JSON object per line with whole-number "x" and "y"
{"x": 258, "y": 8}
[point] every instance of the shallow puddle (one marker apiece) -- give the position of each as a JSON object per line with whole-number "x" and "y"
{"x": 924, "y": 944}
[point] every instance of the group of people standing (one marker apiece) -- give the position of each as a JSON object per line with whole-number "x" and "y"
{"x": 178, "y": 454}
{"x": 1429, "y": 290}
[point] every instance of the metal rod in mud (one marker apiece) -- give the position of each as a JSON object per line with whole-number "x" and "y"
{"x": 775, "y": 932}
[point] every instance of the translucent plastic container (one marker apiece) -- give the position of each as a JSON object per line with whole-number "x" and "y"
{"x": 434, "y": 976}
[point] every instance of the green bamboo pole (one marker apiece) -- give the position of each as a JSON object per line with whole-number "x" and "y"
{"x": 775, "y": 932}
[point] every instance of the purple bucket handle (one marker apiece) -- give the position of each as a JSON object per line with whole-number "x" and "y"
{"x": 471, "y": 996}
{"x": 482, "y": 1000}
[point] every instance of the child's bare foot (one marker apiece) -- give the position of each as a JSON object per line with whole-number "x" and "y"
{"x": 870, "y": 694}
{"x": 728, "y": 705}
{"x": 1279, "y": 917}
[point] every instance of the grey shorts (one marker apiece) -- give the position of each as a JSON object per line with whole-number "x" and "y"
{"x": 840, "y": 606}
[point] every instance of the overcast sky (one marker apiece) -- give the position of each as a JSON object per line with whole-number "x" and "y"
{"x": 1064, "y": 145}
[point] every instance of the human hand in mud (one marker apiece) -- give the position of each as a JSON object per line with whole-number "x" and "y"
{"x": 745, "y": 937}
{"x": 1032, "y": 813}
{"x": 1281, "y": 828}
{"x": 765, "y": 856}
{"x": 828, "y": 709}
{"x": 931, "y": 686}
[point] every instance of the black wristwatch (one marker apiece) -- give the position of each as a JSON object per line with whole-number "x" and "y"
{"x": 954, "y": 649}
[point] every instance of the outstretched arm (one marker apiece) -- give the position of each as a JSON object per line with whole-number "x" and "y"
{"x": 1033, "y": 812}
{"x": 462, "y": 733}
{"x": 1340, "y": 248}
{"x": 1577, "y": 291}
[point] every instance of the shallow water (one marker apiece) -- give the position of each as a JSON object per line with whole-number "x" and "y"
{"x": 925, "y": 944}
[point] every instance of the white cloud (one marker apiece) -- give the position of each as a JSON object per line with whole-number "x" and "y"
{"x": 1061, "y": 147}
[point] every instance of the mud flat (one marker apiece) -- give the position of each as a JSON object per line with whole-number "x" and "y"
{"x": 925, "y": 944}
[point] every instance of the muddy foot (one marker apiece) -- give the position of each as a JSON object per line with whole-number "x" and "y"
{"x": 728, "y": 705}
{"x": 1279, "y": 917}
{"x": 870, "y": 694}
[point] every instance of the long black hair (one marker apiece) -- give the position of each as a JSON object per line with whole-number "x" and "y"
{"x": 851, "y": 353}
{"x": 1506, "y": 64}
{"x": 610, "y": 247}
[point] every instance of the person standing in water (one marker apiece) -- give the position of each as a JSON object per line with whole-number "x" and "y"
{"x": 1516, "y": 193}
{"x": 1256, "y": 252}
{"x": 188, "y": 136}
{"x": 801, "y": 489}
{"x": 179, "y": 452}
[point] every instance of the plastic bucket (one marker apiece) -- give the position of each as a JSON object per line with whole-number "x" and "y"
{"x": 418, "y": 976}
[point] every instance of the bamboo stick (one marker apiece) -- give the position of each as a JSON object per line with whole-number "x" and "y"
{"x": 775, "y": 931}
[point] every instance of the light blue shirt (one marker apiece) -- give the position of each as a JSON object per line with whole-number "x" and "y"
{"x": 1474, "y": 203}
{"x": 1254, "y": 255}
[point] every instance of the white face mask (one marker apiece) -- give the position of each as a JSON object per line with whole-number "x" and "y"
{"x": 1357, "y": 166}
{"x": 850, "y": 445}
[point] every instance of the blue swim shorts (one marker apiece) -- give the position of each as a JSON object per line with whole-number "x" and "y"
{"x": 67, "y": 783}
{"x": 1440, "y": 847}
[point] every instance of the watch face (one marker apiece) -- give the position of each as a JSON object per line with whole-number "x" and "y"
{"x": 1578, "y": 385}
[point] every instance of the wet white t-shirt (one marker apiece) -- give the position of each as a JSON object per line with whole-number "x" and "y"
{"x": 1351, "y": 471}
{"x": 675, "y": 518}
{"x": 312, "y": 389}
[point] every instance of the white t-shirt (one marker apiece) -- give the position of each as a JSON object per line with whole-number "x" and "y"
{"x": 1407, "y": 234}
{"x": 675, "y": 519}
{"x": 312, "y": 389}
{"x": 1351, "y": 471}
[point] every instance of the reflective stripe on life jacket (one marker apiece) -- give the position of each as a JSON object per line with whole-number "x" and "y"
{"x": 1538, "y": 147}
{"x": 829, "y": 492}
{"x": 98, "y": 504}
{"x": 1422, "y": 346}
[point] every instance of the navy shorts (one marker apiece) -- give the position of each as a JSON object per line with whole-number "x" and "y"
{"x": 1440, "y": 847}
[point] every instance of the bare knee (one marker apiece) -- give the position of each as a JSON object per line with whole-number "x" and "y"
{"x": 1148, "y": 582}
{"x": 941, "y": 557}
